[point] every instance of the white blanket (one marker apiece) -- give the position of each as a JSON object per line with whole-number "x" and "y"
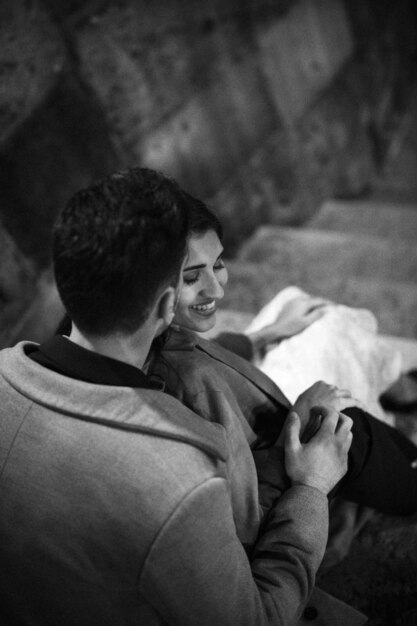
{"x": 342, "y": 348}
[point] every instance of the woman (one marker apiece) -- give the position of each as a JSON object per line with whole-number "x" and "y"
{"x": 220, "y": 386}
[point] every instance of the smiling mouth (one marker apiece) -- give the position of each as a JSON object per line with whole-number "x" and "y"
{"x": 205, "y": 309}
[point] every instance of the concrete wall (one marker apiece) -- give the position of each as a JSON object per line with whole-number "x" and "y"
{"x": 261, "y": 107}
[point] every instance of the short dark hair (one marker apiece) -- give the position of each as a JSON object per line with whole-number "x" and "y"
{"x": 116, "y": 245}
{"x": 201, "y": 219}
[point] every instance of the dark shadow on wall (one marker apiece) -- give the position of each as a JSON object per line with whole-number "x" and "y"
{"x": 63, "y": 146}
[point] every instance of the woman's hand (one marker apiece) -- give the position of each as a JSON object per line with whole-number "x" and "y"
{"x": 295, "y": 316}
{"x": 322, "y": 394}
{"x": 298, "y": 314}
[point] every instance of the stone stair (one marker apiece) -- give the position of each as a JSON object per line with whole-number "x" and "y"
{"x": 309, "y": 253}
{"x": 348, "y": 252}
{"x": 388, "y": 220}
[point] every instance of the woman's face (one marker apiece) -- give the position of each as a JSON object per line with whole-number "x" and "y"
{"x": 204, "y": 276}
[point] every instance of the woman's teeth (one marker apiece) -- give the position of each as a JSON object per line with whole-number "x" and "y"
{"x": 204, "y": 307}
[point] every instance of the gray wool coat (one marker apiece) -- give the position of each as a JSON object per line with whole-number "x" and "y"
{"x": 116, "y": 508}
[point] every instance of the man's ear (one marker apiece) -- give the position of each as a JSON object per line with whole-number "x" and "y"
{"x": 166, "y": 307}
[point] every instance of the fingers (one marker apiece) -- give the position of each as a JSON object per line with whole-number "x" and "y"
{"x": 360, "y": 404}
{"x": 348, "y": 401}
{"x": 330, "y": 419}
{"x": 292, "y": 431}
{"x": 343, "y": 392}
{"x": 315, "y": 314}
{"x": 319, "y": 301}
{"x": 337, "y": 392}
{"x": 338, "y": 424}
{"x": 333, "y": 388}
{"x": 344, "y": 431}
{"x": 344, "y": 424}
{"x": 313, "y": 424}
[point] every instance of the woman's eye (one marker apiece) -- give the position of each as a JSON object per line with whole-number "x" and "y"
{"x": 190, "y": 280}
{"x": 219, "y": 265}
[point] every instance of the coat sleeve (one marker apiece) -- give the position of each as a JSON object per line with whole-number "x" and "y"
{"x": 197, "y": 571}
{"x": 273, "y": 480}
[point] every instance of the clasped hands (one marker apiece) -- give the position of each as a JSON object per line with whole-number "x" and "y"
{"x": 317, "y": 436}
{"x": 322, "y": 461}
{"x": 323, "y": 394}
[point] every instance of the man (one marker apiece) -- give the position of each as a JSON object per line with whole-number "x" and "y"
{"x": 115, "y": 502}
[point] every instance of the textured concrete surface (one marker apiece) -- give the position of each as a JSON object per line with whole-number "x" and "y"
{"x": 318, "y": 253}
{"x": 33, "y": 57}
{"x": 321, "y": 34}
{"x": 390, "y": 220}
{"x": 379, "y": 575}
{"x": 59, "y": 149}
{"x": 359, "y": 253}
{"x": 17, "y": 285}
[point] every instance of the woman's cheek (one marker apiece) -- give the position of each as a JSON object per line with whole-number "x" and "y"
{"x": 186, "y": 298}
{"x": 224, "y": 277}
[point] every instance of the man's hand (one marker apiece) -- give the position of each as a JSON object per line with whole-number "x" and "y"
{"x": 322, "y": 394}
{"x": 322, "y": 461}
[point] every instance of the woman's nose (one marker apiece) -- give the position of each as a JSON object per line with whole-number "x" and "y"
{"x": 212, "y": 288}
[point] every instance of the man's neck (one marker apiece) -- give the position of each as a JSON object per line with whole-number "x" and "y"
{"x": 132, "y": 349}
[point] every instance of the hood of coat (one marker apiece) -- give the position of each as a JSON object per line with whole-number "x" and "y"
{"x": 135, "y": 409}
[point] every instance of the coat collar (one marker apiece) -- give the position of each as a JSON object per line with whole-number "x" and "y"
{"x": 66, "y": 357}
{"x": 180, "y": 339}
{"x": 145, "y": 411}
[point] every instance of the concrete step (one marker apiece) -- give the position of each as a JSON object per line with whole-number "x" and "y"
{"x": 251, "y": 285}
{"x": 379, "y": 573}
{"x": 311, "y": 254}
{"x": 391, "y": 220}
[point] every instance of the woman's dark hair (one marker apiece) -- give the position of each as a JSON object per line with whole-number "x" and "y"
{"x": 200, "y": 218}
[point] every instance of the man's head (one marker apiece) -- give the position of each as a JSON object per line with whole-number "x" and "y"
{"x": 117, "y": 245}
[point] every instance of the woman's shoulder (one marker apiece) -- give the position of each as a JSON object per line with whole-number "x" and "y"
{"x": 177, "y": 361}
{"x": 193, "y": 355}
{"x": 182, "y": 348}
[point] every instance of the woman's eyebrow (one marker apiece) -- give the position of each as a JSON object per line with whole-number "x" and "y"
{"x": 193, "y": 267}
{"x": 199, "y": 267}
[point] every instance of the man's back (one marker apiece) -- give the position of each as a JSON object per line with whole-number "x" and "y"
{"x": 84, "y": 498}
{"x": 116, "y": 509}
